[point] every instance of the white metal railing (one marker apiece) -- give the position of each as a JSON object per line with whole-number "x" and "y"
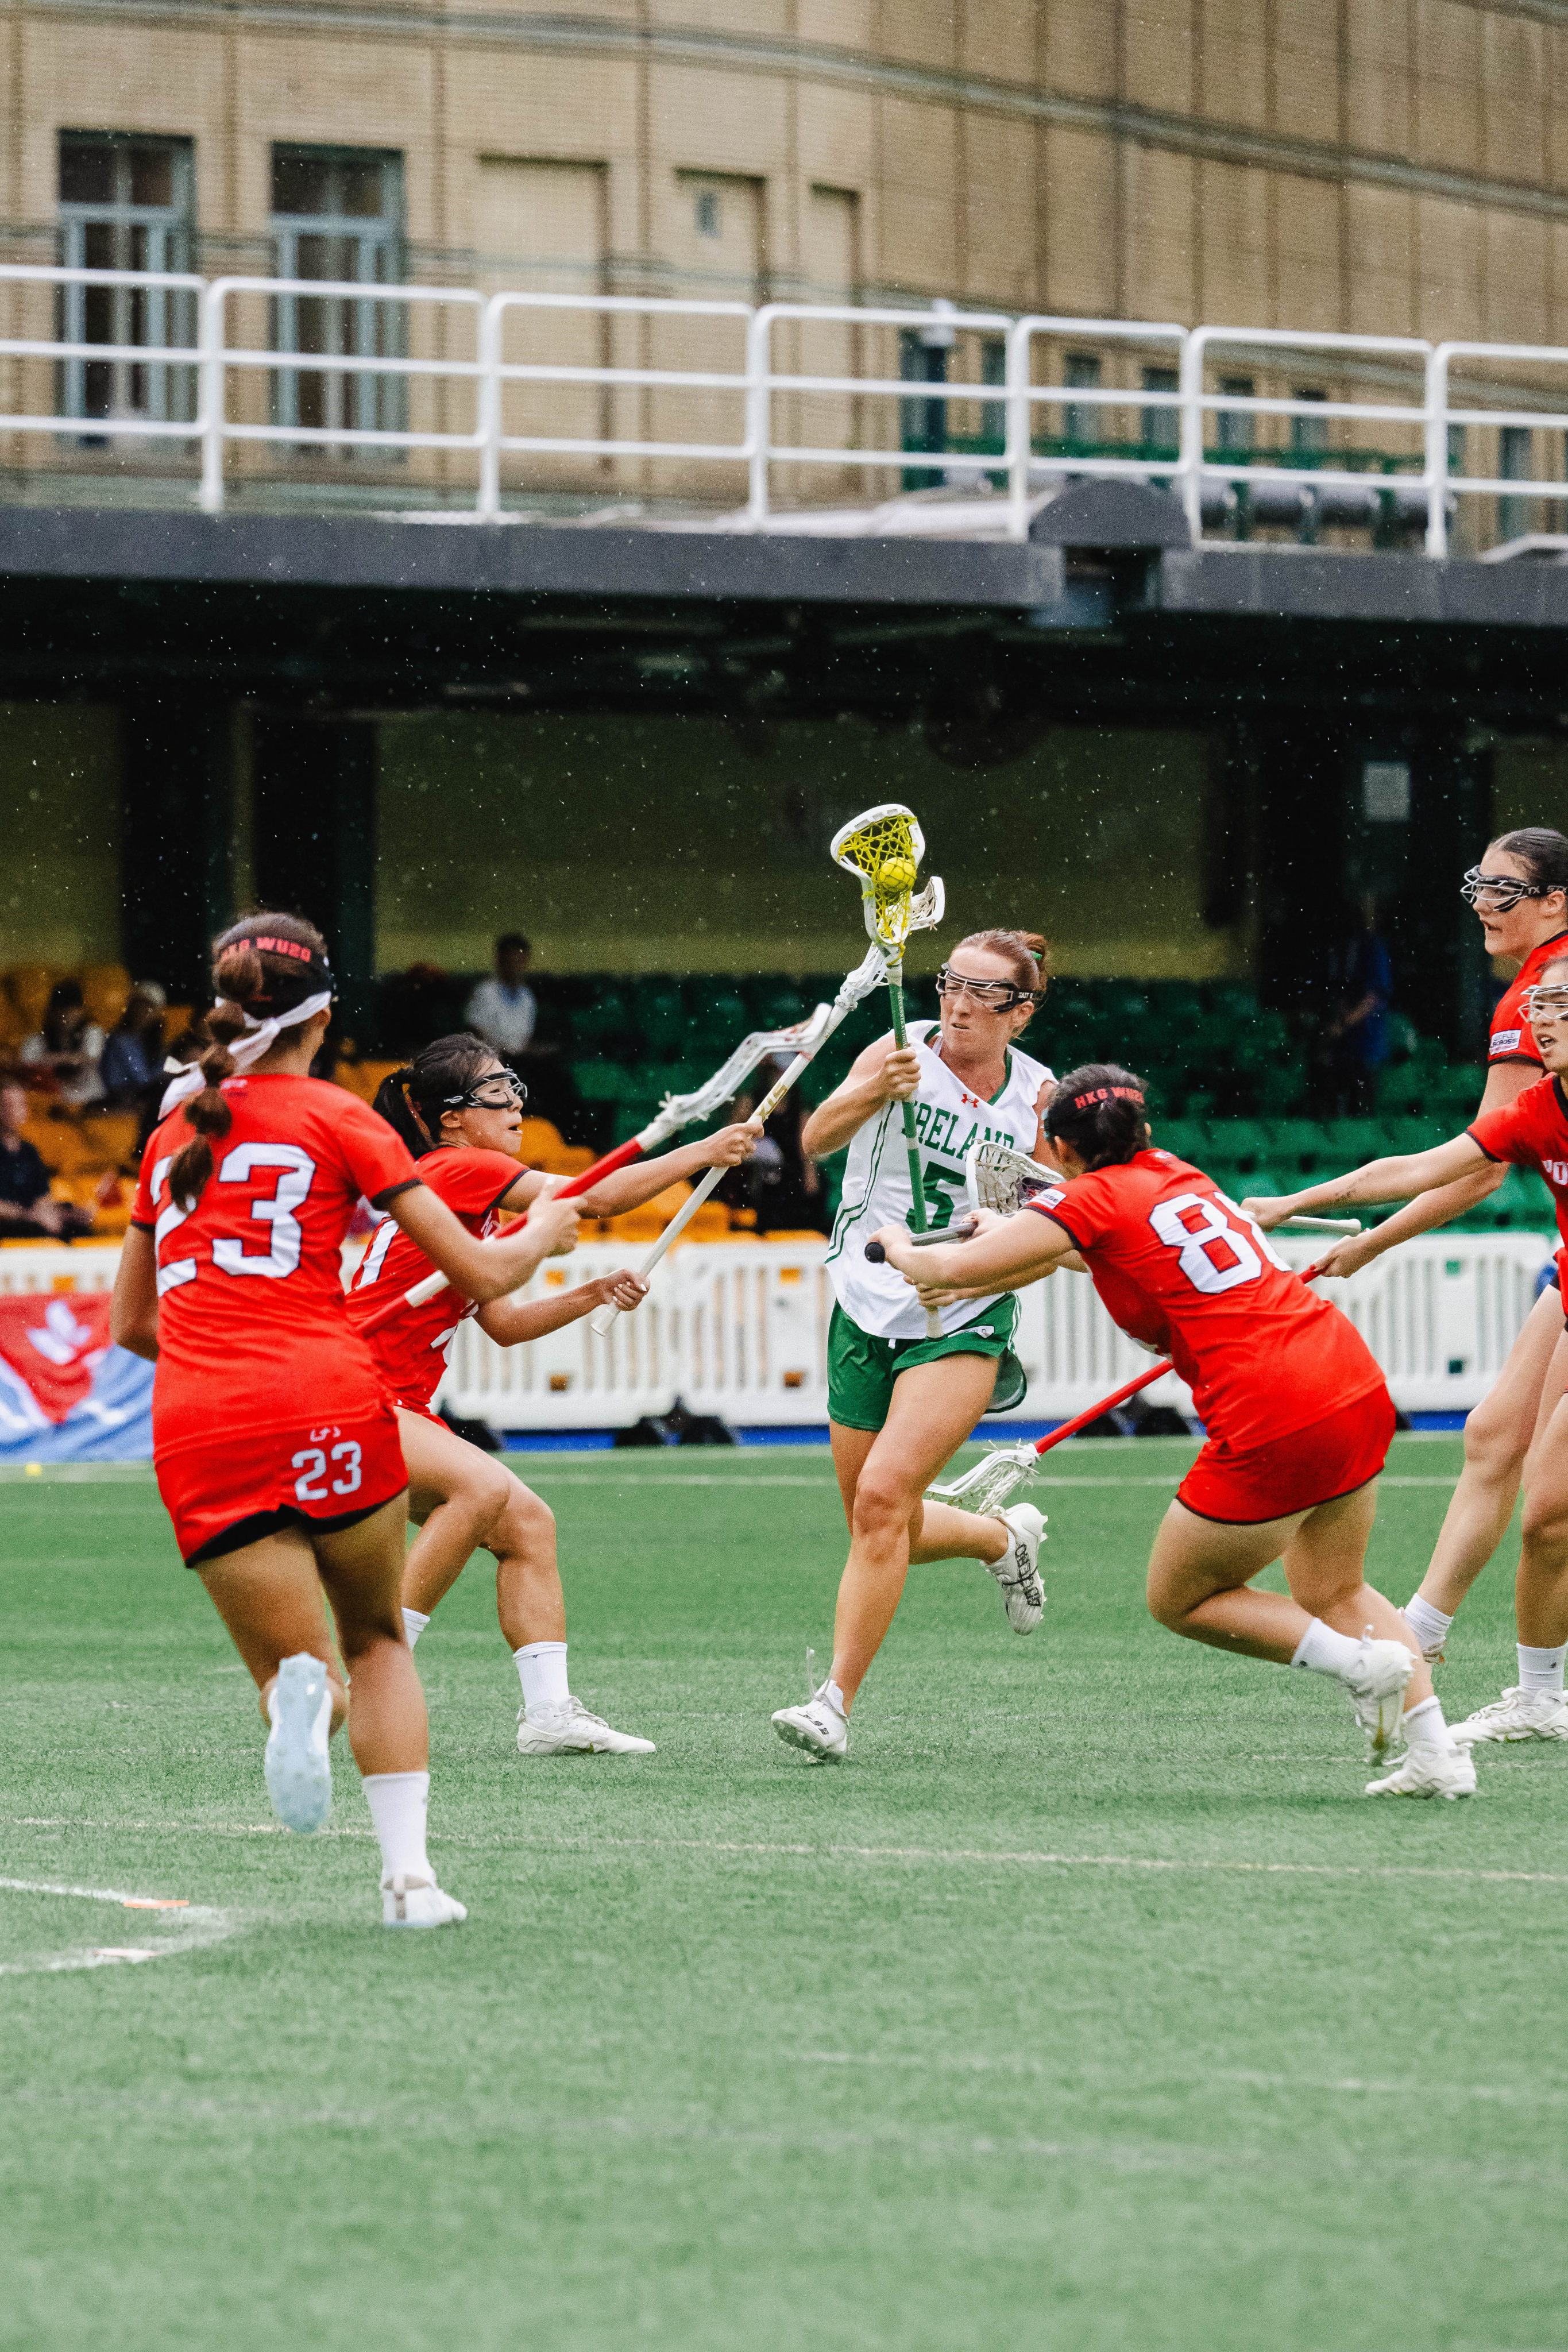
{"x": 1418, "y": 402}
{"x": 739, "y": 1328}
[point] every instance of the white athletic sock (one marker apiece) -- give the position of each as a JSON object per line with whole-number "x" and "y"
{"x": 1425, "y": 1726}
{"x": 414, "y": 1626}
{"x": 833, "y": 1695}
{"x": 1429, "y": 1625}
{"x": 399, "y": 1802}
{"x": 1323, "y": 1651}
{"x": 1542, "y": 1670}
{"x": 541, "y": 1669}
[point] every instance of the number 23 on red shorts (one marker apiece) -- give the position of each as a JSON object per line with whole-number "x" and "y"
{"x": 312, "y": 1469}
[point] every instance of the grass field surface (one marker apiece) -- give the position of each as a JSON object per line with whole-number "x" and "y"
{"x": 1089, "y": 2005}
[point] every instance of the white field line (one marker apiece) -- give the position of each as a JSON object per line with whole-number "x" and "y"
{"x": 198, "y": 1924}
{"x": 938, "y": 1857}
{"x": 826, "y": 1484}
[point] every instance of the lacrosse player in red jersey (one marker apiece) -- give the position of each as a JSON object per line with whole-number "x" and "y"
{"x": 1181, "y": 1269}
{"x": 1531, "y": 1131}
{"x": 459, "y": 1110}
{"x": 274, "y": 1439}
{"x": 1520, "y": 893}
{"x": 900, "y": 1398}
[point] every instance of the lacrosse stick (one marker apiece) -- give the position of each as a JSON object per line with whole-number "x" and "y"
{"x": 675, "y": 1112}
{"x": 883, "y": 849}
{"x": 868, "y": 974}
{"x": 1005, "y": 1468}
{"x": 995, "y": 1176}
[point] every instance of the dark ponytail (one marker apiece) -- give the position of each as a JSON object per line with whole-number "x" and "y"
{"x": 247, "y": 979}
{"x": 1098, "y": 1109}
{"x": 413, "y": 1099}
{"x": 1543, "y": 853}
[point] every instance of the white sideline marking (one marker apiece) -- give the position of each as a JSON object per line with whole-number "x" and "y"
{"x": 1049, "y": 1860}
{"x": 199, "y": 1923}
{"x": 826, "y": 1484}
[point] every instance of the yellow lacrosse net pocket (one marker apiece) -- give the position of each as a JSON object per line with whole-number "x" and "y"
{"x": 884, "y": 847}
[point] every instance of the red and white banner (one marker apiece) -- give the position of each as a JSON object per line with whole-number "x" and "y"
{"x": 66, "y": 1392}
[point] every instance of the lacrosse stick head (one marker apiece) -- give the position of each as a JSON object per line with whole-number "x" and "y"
{"x": 882, "y": 848}
{"x": 991, "y": 1482}
{"x": 998, "y": 1176}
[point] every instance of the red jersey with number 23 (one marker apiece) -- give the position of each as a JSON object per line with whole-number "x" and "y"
{"x": 1531, "y": 1131}
{"x": 412, "y": 1348}
{"x": 1180, "y": 1268}
{"x": 252, "y": 1327}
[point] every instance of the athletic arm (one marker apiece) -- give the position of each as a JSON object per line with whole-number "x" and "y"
{"x": 629, "y": 1187}
{"x": 1007, "y": 1255}
{"x": 1505, "y": 1082}
{"x": 133, "y": 1308}
{"x": 883, "y": 1072}
{"x": 511, "y": 1321}
{"x": 484, "y": 1270}
{"x": 1396, "y": 1179}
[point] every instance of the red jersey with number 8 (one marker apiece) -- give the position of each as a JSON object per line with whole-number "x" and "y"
{"x": 1180, "y": 1268}
{"x": 259, "y": 1373}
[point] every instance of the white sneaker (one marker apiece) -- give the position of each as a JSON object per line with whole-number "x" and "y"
{"x": 297, "y": 1765}
{"x": 1017, "y": 1570}
{"x": 817, "y": 1726}
{"x": 1517, "y": 1715}
{"x": 1377, "y": 1683}
{"x": 1429, "y": 1771}
{"x": 569, "y": 1730}
{"x": 417, "y": 1903}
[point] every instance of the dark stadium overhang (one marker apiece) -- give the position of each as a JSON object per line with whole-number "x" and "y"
{"x": 978, "y": 642}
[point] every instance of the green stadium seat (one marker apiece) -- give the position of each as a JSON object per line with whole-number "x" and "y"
{"x": 1297, "y": 1144}
{"x": 1349, "y": 1141}
{"x": 1240, "y": 1142}
{"x": 1403, "y": 1136}
{"x": 596, "y": 1082}
{"x": 1187, "y": 1138}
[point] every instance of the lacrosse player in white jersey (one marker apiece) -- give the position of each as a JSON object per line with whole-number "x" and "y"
{"x": 900, "y": 1400}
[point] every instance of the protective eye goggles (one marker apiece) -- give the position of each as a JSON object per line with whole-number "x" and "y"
{"x": 1548, "y": 1002}
{"x": 499, "y": 1091}
{"x": 995, "y": 995}
{"x": 1495, "y": 894}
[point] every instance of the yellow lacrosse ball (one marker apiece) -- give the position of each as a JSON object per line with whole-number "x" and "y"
{"x": 896, "y": 874}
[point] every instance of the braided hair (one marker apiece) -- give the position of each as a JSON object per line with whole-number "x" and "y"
{"x": 264, "y": 965}
{"x": 1098, "y": 1109}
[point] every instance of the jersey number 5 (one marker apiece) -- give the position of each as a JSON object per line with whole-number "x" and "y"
{"x": 1192, "y": 1223}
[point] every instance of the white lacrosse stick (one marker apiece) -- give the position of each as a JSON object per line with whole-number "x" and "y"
{"x": 995, "y": 1176}
{"x": 869, "y": 973}
{"x": 674, "y": 1112}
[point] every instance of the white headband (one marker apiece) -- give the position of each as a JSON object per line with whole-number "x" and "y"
{"x": 259, "y": 1038}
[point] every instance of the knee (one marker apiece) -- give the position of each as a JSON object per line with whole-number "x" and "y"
{"x": 484, "y": 1498}
{"x": 1546, "y": 1517}
{"x": 882, "y": 1505}
{"x": 1491, "y": 1443}
{"x": 523, "y": 1524}
{"x": 1165, "y": 1605}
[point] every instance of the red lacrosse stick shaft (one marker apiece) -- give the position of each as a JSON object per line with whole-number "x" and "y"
{"x": 618, "y": 1157}
{"x": 1106, "y": 1404}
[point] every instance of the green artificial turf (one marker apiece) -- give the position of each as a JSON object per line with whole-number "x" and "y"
{"x": 1088, "y": 2006}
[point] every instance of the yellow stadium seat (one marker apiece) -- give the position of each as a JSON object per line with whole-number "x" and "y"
{"x": 58, "y": 1144}
{"x": 105, "y": 991}
{"x": 109, "y": 1140}
{"x": 177, "y": 1019}
{"x": 28, "y": 986}
{"x": 364, "y": 1078}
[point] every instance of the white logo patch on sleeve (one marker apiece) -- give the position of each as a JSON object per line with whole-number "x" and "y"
{"x": 1504, "y": 1041}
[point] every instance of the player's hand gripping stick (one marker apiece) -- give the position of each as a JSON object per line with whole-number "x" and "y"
{"x": 674, "y": 1112}
{"x": 866, "y": 976}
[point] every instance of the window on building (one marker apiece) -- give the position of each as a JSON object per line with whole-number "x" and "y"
{"x": 1161, "y": 427}
{"x": 1235, "y": 424}
{"x": 1309, "y": 435}
{"x": 1515, "y": 463}
{"x": 126, "y": 203}
{"x": 337, "y": 215}
{"x": 1080, "y": 419}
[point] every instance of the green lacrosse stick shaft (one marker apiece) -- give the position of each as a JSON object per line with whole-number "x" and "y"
{"x": 911, "y": 1142}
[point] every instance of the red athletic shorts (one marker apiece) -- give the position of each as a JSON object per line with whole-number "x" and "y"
{"x": 322, "y": 1473}
{"x": 1312, "y": 1465}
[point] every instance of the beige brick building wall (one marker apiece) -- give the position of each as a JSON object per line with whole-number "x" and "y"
{"x": 1392, "y": 166}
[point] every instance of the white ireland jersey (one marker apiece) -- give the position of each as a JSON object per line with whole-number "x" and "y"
{"x": 948, "y": 1120}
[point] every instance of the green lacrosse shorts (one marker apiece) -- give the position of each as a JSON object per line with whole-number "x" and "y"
{"x": 861, "y": 1367}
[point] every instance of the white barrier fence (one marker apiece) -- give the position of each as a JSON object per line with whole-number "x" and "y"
{"x": 741, "y": 1329}
{"x": 736, "y": 390}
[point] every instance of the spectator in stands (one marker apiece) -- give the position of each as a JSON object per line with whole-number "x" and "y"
{"x": 26, "y": 1212}
{"x": 502, "y": 1011}
{"x": 68, "y": 1048}
{"x": 132, "y": 1061}
{"x": 1358, "y": 1033}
